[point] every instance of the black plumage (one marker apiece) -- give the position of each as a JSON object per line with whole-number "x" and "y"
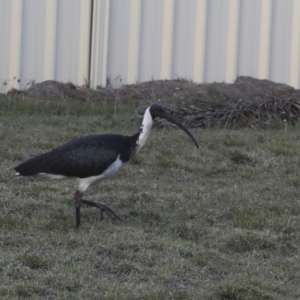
{"x": 94, "y": 157}
{"x": 83, "y": 157}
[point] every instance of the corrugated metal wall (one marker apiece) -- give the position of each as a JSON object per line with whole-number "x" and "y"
{"x": 203, "y": 40}
{"x": 128, "y": 41}
{"x": 42, "y": 40}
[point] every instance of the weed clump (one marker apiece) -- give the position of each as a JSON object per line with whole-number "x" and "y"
{"x": 235, "y": 292}
{"x": 124, "y": 268}
{"x": 249, "y": 242}
{"x": 22, "y": 292}
{"x": 33, "y": 261}
{"x": 7, "y": 222}
{"x": 239, "y": 157}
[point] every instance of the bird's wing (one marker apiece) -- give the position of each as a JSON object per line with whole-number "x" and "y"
{"x": 83, "y": 157}
{"x": 83, "y": 161}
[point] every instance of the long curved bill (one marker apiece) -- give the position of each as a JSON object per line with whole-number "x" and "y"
{"x": 170, "y": 119}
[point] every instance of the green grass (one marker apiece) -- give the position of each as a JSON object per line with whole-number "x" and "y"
{"x": 221, "y": 222}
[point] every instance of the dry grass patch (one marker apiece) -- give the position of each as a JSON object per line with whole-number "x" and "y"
{"x": 221, "y": 222}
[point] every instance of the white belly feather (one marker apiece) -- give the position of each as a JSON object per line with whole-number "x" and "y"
{"x": 84, "y": 183}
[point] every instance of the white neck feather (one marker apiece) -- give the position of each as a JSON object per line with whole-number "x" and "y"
{"x": 145, "y": 129}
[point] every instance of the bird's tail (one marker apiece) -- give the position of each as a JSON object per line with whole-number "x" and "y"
{"x": 32, "y": 166}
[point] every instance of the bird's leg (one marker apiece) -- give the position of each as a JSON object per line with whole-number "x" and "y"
{"x": 78, "y": 198}
{"x": 103, "y": 208}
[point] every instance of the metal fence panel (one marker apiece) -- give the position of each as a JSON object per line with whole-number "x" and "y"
{"x": 203, "y": 40}
{"x": 128, "y": 41}
{"x": 44, "y": 40}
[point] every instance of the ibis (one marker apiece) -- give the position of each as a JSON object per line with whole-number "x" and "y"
{"x": 92, "y": 158}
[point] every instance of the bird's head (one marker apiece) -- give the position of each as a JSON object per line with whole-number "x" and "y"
{"x": 157, "y": 110}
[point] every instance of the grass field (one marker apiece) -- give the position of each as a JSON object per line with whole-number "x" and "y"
{"x": 219, "y": 222}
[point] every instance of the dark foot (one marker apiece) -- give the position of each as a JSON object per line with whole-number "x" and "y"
{"x": 103, "y": 208}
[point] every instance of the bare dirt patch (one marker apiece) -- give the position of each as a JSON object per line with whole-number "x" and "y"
{"x": 246, "y": 102}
